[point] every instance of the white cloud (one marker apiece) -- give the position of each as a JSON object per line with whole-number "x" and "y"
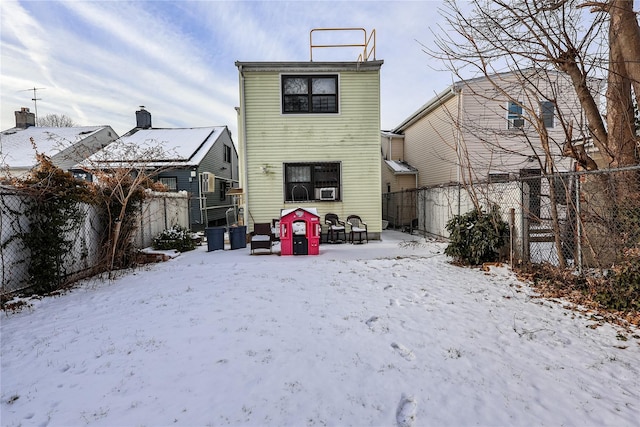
{"x": 99, "y": 61}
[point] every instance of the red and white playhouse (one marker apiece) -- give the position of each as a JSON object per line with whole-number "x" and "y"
{"x": 300, "y": 231}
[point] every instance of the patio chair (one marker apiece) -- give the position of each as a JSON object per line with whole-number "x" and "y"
{"x": 335, "y": 228}
{"x": 357, "y": 227}
{"x": 261, "y": 237}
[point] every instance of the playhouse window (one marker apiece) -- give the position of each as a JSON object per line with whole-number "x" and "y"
{"x": 310, "y": 94}
{"x": 312, "y": 182}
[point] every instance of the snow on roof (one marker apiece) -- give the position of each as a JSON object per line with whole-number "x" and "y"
{"x": 16, "y": 150}
{"x": 285, "y": 212}
{"x": 400, "y": 167}
{"x": 181, "y": 146}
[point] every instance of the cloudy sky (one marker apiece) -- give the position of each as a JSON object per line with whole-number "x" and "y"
{"x": 98, "y": 61}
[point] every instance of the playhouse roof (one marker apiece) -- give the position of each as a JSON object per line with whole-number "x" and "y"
{"x": 312, "y": 211}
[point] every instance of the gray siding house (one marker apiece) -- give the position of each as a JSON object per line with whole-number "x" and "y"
{"x": 202, "y": 161}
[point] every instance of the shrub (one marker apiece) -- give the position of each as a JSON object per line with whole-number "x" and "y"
{"x": 476, "y": 237}
{"x": 622, "y": 290}
{"x": 177, "y": 237}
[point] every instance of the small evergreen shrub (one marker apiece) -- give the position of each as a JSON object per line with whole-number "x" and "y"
{"x": 476, "y": 237}
{"x": 177, "y": 237}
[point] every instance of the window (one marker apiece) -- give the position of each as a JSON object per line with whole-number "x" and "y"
{"x": 227, "y": 154}
{"x": 311, "y": 181}
{"x": 224, "y": 187}
{"x": 514, "y": 116}
{"x": 498, "y": 177}
{"x": 310, "y": 94}
{"x": 170, "y": 182}
{"x": 546, "y": 113}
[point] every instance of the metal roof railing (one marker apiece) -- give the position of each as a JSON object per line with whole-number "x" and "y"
{"x": 368, "y": 45}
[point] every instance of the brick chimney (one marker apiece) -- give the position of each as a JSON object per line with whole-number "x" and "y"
{"x": 24, "y": 118}
{"x": 143, "y": 118}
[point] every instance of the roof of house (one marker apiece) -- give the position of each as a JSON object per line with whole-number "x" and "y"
{"x": 17, "y": 151}
{"x": 401, "y": 168}
{"x": 154, "y": 147}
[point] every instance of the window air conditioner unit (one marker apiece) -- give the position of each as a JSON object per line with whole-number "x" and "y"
{"x": 517, "y": 123}
{"x": 328, "y": 193}
{"x": 207, "y": 182}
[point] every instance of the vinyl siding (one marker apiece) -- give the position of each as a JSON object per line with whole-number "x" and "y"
{"x": 429, "y": 146}
{"x": 486, "y": 144}
{"x": 351, "y": 137}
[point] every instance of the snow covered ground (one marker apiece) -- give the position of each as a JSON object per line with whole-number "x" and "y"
{"x": 381, "y": 334}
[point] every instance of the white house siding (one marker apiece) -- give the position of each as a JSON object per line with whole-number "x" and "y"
{"x": 491, "y": 146}
{"x": 430, "y": 146}
{"x": 484, "y": 141}
{"x": 351, "y": 137}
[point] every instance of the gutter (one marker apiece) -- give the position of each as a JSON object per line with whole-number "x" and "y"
{"x": 243, "y": 142}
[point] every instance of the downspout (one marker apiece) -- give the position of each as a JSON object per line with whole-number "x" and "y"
{"x": 456, "y": 91}
{"x": 243, "y": 141}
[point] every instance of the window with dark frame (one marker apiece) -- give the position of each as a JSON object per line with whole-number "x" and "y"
{"x": 319, "y": 181}
{"x": 171, "y": 182}
{"x": 310, "y": 94}
{"x": 224, "y": 187}
{"x": 227, "y": 154}
{"x": 547, "y": 110}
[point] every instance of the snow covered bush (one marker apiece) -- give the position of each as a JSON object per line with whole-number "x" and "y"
{"x": 476, "y": 237}
{"x": 176, "y": 237}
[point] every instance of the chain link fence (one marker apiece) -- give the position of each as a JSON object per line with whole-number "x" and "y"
{"x": 572, "y": 219}
{"x": 158, "y": 212}
{"x": 81, "y": 258}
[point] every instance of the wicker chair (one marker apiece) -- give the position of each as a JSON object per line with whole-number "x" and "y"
{"x": 262, "y": 237}
{"x": 335, "y": 228}
{"x": 357, "y": 227}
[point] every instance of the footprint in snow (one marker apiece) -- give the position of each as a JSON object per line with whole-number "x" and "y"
{"x": 403, "y": 351}
{"x": 371, "y": 321}
{"x": 406, "y": 412}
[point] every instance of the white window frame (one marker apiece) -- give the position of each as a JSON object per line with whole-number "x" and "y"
{"x": 515, "y": 119}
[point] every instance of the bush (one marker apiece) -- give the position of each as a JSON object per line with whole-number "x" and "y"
{"x": 476, "y": 237}
{"x": 177, "y": 238}
{"x": 622, "y": 290}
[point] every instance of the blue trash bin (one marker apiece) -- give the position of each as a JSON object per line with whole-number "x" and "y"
{"x": 215, "y": 238}
{"x": 238, "y": 237}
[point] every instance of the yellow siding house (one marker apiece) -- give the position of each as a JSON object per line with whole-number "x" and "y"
{"x": 309, "y": 136}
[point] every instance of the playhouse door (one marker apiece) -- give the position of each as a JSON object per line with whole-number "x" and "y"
{"x": 300, "y": 245}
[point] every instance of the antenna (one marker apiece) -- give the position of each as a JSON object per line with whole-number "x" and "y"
{"x": 35, "y": 99}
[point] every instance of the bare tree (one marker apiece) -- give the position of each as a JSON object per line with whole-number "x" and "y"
{"x": 122, "y": 172}
{"x": 515, "y": 35}
{"x": 56, "y": 120}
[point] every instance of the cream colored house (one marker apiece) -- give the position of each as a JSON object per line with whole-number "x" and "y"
{"x": 487, "y": 129}
{"x": 309, "y": 136}
{"x": 397, "y": 174}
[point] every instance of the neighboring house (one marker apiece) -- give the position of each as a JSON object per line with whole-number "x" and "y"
{"x": 202, "y": 161}
{"x": 397, "y": 175}
{"x": 474, "y": 131}
{"x": 487, "y": 130}
{"x": 310, "y": 137}
{"x": 65, "y": 146}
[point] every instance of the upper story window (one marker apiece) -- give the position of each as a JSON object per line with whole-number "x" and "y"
{"x": 227, "y": 154}
{"x": 514, "y": 116}
{"x": 310, "y": 94}
{"x": 547, "y": 110}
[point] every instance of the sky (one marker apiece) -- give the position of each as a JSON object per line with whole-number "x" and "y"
{"x": 99, "y": 61}
{"x": 387, "y": 333}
